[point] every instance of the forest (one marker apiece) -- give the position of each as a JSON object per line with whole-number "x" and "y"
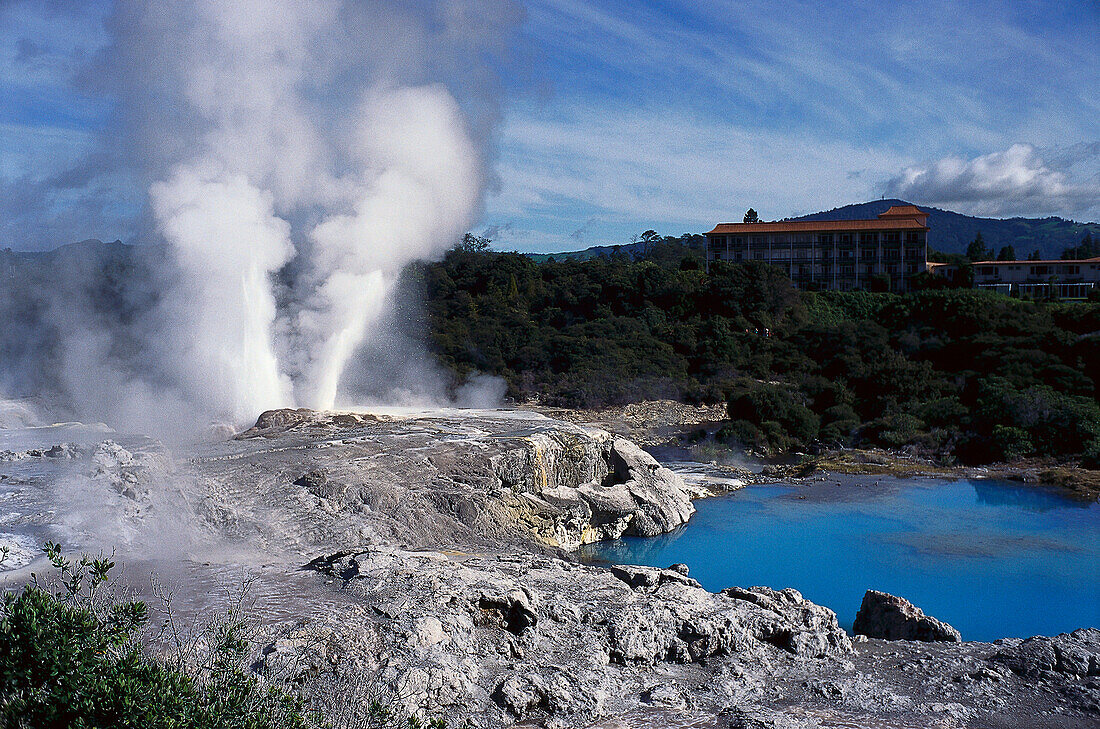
{"x": 956, "y": 374}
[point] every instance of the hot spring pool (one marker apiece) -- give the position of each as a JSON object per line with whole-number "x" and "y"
{"x": 994, "y": 559}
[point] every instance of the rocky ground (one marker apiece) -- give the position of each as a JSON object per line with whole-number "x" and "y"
{"x": 648, "y": 423}
{"x": 431, "y": 554}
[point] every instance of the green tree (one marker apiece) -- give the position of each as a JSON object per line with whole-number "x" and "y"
{"x": 905, "y": 370}
{"x": 751, "y": 216}
{"x": 1088, "y": 248}
{"x": 977, "y": 250}
{"x": 647, "y": 239}
{"x": 471, "y": 243}
{"x": 1008, "y": 253}
{"x": 777, "y": 410}
{"x": 1035, "y": 256}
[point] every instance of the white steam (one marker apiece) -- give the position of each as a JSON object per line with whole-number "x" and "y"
{"x": 302, "y": 157}
{"x": 226, "y": 242}
{"x": 422, "y": 190}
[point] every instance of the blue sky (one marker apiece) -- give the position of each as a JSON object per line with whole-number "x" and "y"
{"x": 624, "y": 116}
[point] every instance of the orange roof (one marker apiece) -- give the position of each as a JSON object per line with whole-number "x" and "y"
{"x": 798, "y": 226}
{"x": 904, "y": 211}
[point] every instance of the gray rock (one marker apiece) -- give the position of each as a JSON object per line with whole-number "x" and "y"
{"x": 665, "y": 695}
{"x": 886, "y": 616}
{"x": 1076, "y": 655}
{"x": 490, "y": 478}
{"x": 649, "y": 578}
{"x": 799, "y": 626}
{"x": 521, "y": 695}
{"x": 515, "y": 609}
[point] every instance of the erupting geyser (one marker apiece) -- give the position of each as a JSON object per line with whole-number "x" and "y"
{"x": 364, "y": 188}
{"x": 297, "y": 156}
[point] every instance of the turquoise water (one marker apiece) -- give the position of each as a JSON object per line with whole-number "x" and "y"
{"x": 994, "y": 559}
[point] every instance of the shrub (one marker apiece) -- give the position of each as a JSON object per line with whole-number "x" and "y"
{"x": 744, "y": 433}
{"x": 1011, "y": 443}
{"x": 893, "y": 430}
{"x": 71, "y": 655}
{"x": 840, "y": 421}
{"x": 761, "y": 403}
{"x": 1091, "y": 457}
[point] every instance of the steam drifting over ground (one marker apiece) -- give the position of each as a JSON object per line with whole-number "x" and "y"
{"x": 297, "y": 157}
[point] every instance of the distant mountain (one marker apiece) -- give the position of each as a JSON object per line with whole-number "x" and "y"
{"x": 951, "y": 232}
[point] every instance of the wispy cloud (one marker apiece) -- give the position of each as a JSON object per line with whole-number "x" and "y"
{"x": 677, "y": 115}
{"x": 610, "y": 173}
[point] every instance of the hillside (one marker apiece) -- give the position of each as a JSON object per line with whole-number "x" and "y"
{"x": 632, "y": 251}
{"x": 950, "y": 232}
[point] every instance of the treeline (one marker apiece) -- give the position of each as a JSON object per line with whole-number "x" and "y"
{"x": 954, "y": 373}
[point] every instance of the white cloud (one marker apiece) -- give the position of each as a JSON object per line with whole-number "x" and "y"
{"x": 1021, "y": 180}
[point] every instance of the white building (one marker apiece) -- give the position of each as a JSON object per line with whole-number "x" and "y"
{"x": 1039, "y": 279}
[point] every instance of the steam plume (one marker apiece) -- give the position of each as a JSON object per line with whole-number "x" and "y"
{"x": 424, "y": 192}
{"x": 226, "y": 243}
{"x": 297, "y": 155}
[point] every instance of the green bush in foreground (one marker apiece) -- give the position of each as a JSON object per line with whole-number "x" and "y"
{"x": 70, "y": 657}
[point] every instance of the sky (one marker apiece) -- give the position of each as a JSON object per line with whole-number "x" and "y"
{"x": 622, "y": 116}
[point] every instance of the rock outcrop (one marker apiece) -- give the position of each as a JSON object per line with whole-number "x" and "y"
{"x": 1075, "y": 655}
{"x": 543, "y": 636}
{"x": 886, "y": 616}
{"x": 470, "y": 479}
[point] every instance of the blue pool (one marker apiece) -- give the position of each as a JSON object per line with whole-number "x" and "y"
{"x": 995, "y": 559}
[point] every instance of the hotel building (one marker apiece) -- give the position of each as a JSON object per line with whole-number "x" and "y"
{"x": 831, "y": 254}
